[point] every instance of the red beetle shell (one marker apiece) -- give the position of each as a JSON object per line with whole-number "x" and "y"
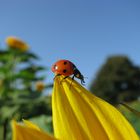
{"x": 63, "y": 67}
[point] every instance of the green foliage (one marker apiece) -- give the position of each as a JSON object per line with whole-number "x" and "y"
{"x": 132, "y": 117}
{"x": 19, "y": 97}
{"x": 44, "y": 122}
{"x": 137, "y": 113}
{"x": 118, "y": 80}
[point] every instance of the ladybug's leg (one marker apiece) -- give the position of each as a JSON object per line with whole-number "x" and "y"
{"x": 72, "y": 80}
{"x": 56, "y": 76}
{"x": 63, "y": 79}
{"x": 83, "y": 82}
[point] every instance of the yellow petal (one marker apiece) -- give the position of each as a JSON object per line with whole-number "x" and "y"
{"x": 31, "y": 125}
{"x": 79, "y": 115}
{"x": 28, "y": 131}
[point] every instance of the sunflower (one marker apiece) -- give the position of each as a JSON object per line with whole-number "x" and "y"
{"x": 16, "y": 43}
{"x": 79, "y": 115}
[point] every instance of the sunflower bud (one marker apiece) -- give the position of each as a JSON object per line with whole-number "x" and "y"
{"x": 40, "y": 86}
{"x": 16, "y": 43}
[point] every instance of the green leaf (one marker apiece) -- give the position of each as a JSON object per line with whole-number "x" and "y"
{"x": 8, "y": 111}
{"x": 32, "y": 69}
{"x": 28, "y": 56}
{"x": 137, "y": 113}
{"x": 44, "y": 122}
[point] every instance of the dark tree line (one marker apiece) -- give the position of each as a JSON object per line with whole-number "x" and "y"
{"x": 118, "y": 80}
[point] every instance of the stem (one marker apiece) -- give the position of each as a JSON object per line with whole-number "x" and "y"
{"x": 5, "y": 129}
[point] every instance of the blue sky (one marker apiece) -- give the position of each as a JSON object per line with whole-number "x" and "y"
{"x": 85, "y": 32}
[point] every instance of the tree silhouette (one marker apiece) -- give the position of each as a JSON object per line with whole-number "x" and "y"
{"x": 118, "y": 80}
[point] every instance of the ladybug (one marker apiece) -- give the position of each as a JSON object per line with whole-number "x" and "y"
{"x": 67, "y": 68}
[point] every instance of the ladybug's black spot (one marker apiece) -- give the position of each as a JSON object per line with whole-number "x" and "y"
{"x": 64, "y": 71}
{"x": 65, "y": 63}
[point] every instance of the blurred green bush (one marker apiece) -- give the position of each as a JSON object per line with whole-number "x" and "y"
{"x": 21, "y": 87}
{"x": 118, "y": 80}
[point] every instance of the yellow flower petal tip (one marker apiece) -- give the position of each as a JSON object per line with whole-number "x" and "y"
{"x": 16, "y": 43}
{"x": 28, "y": 131}
{"x": 31, "y": 125}
{"x": 80, "y": 115}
